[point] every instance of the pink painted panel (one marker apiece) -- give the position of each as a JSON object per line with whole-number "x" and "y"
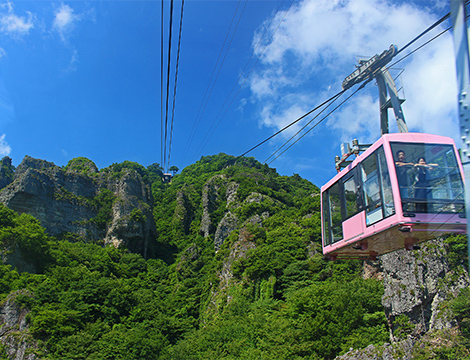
{"x": 354, "y": 226}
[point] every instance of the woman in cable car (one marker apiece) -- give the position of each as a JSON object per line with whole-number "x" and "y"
{"x": 384, "y": 201}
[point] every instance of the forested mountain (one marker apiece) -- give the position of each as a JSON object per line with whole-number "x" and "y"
{"x": 223, "y": 262}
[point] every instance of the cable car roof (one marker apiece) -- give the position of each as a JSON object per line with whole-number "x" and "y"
{"x": 394, "y": 137}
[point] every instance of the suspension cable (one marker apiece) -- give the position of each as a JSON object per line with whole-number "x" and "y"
{"x": 298, "y": 132}
{"x": 176, "y": 80}
{"x": 314, "y": 126}
{"x": 445, "y": 17}
{"x": 207, "y": 93}
{"x": 168, "y": 82}
{"x": 441, "y": 20}
{"x": 241, "y": 86}
{"x": 296, "y": 121}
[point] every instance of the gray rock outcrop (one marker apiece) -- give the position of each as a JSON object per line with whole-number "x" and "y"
{"x": 218, "y": 194}
{"x": 416, "y": 283}
{"x": 399, "y": 351}
{"x": 6, "y": 172}
{"x": 65, "y": 202}
{"x": 210, "y": 200}
{"x": 13, "y": 329}
{"x": 228, "y": 223}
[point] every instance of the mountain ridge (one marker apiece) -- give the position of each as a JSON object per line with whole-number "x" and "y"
{"x": 232, "y": 247}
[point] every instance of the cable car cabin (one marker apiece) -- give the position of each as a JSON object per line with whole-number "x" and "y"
{"x": 166, "y": 178}
{"x": 405, "y": 189}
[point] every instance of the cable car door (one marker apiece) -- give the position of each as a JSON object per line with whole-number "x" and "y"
{"x": 353, "y": 223}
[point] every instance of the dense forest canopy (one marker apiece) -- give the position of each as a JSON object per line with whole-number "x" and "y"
{"x": 264, "y": 292}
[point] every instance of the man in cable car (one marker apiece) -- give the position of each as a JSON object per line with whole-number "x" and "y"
{"x": 403, "y": 170}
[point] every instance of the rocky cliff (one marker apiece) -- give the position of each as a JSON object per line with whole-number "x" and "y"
{"x": 79, "y": 201}
{"x": 14, "y": 335}
{"x": 418, "y": 286}
{"x": 220, "y": 195}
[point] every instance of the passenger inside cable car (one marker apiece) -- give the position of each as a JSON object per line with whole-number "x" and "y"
{"x": 403, "y": 168}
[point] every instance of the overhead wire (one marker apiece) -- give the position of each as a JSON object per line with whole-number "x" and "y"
{"x": 298, "y": 132}
{"x": 418, "y": 48}
{"x": 168, "y": 82}
{"x": 331, "y": 99}
{"x": 212, "y": 124}
{"x": 176, "y": 80}
{"x": 205, "y": 98}
{"x": 319, "y": 122}
{"x": 161, "y": 89}
{"x": 204, "y": 143}
{"x": 424, "y": 44}
{"x": 438, "y": 22}
{"x": 294, "y": 122}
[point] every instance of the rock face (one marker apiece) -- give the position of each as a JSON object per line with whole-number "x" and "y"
{"x": 220, "y": 194}
{"x": 132, "y": 218}
{"x": 184, "y": 213}
{"x": 416, "y": 284}
{"x": 70, "y": 201}
{"x": 6, "y": 172}
{"x": 401, "y": 351}
{"x": 13, "y": 329}
{"x": 228, "y": 223}
{"x": 221, "y": 294}
{"x": 210, "y": 199}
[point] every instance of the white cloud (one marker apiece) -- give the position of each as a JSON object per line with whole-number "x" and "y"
{"x": 359, "y": 116}
{"x": 5, "y": 149}
{"x": 316, "y": 47}
{"x": 14, "y": 25}
{"x": 7, "y": 109}
{"x": 74, "y": 60}
{"x": 64, "y": 21}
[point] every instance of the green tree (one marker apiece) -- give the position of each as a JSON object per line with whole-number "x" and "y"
{"x": 174, "y": 169}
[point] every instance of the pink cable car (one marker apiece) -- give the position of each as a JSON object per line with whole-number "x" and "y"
{"x": 404, "y": 189}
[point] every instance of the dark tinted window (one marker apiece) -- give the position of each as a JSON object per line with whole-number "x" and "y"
{"x": 433, "y": 182}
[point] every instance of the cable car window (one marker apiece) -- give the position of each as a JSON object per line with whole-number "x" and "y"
{"x": 387, "y": 193}
{"x": 372, "y": 191}
{"x": 405, "y": 173}
{"x": 350, "y": 196}
{"x": 326, "y": 218}
{"x": 334, "y": 196}
{"x": 435, "y": 181}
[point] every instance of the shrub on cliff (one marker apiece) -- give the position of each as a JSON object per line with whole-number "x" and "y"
{"x": 81, "y": 165}
{"x": 25, "y": 235}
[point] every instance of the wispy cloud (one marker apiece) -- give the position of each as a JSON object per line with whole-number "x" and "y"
{"x": 12, "y": 24}
{"x": 64, "y": 21}
{"x": 5, "y": 149}
{"x": 7, "y": 109}
{"x": 74, "y": 60}
{"x": 316, "y": 46}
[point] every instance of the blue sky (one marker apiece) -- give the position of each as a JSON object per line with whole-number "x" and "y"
{"x": 82, "y": 78}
